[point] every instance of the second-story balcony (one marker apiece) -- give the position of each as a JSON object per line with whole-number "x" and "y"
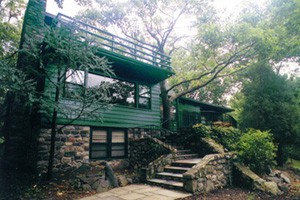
{"x": 130, "y": 59}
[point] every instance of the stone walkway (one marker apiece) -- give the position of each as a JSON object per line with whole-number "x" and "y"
{"x": 138, "y": 192}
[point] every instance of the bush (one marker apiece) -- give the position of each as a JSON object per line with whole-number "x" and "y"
{"x": 257, "y": 150}
{"x": 227, "y": 136}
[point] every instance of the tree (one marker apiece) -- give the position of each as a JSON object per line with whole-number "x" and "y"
{"x": 10, "y": 25}
{"x": 10, "y": 32}
{"x": 269, "y": 105}
{"x": 156, "y": 21}
{"x": 48, "y": 66}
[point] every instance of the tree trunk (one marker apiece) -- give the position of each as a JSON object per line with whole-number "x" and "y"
{"x": 166, "y": 106}
{"x": 52, "y": 145}
{"x": 281, "y": 155}
{"x": 53, "y": 130}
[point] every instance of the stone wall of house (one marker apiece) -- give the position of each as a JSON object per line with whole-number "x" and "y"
{"x": 71, "y": 148}
{"x": 214, "y": 171}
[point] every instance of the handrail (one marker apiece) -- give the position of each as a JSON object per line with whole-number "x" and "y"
{"x": 141, "y": 51}
{"x": 153, "y": 131}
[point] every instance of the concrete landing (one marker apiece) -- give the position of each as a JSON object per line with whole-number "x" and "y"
{"x": 138, "y": 192}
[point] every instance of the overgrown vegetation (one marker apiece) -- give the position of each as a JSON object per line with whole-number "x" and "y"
{"x": 227, "y": 136}
{"x": 254, "y": 148}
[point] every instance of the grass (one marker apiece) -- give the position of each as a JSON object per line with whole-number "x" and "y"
{"x": 294, "y": 163}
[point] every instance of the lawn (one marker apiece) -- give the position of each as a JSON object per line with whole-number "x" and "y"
{"x": 294, "y": 163}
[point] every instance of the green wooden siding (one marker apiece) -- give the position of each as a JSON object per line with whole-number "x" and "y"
{"x": 122, "y": 116}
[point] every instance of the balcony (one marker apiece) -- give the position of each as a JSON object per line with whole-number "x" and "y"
{"x": 130, "y": 59}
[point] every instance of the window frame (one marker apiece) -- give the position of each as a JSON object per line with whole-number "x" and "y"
{"x": 109, "y": 144}
{"x": 136, "y": 85}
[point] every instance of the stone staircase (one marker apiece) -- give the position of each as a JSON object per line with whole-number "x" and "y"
{"x": 172, "y": 175}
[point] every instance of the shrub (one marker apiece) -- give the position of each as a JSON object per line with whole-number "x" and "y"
{"x": 202, "y": 130}
{"x": 227, "y": 136}
{"x": 257, "y": 150}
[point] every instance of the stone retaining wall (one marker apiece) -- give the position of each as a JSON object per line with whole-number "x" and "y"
{"x": 144, "y": 150}
{"x": 149, "y": 156}
{"x": 71, "y": 148}
{"x": 212, "y": 172}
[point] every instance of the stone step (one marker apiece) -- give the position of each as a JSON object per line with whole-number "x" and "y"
{"x": 167, "y": 183}
{"x": 187, "y": 156}
{"x": 169, "y": 176}
{"x": 177, "y": 170}
{"x": 186, "y": 162}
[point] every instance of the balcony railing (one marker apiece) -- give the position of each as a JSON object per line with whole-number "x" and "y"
{"x": 139, "y": 51}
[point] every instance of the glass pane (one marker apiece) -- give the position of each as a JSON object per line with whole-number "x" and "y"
{"x": 75, "y": 76}
{"x": 122, "y": 93}
{"x": 118, "y": 137}
{"x": 144, "y": 102}
{"x": 71, "y": 90}
{"x": 144, "y": 91}
{"x": 118, "y": 150}
{"x": 96, "y": 80}
{"x": 98, "y": 151}
{"x": 99, "y": 136}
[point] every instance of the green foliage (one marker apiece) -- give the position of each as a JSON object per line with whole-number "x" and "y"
{"x": 61, "y": 52}
{"x": 227, "y": 136}
{"x": 257, "y": 150}
{"x": 15, "y": 81}
{"x": 294, "y": 151}
{"x": 1, "y": 140}
{"x": 271, "y": 103}
{"x": 10, "y": 25}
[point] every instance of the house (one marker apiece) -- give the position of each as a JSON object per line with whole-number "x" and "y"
{"x": 188, "y": 112}
{"x": 138, "y": 69}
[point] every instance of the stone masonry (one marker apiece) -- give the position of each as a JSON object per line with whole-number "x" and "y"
{"x": 212, "y": 172}
{"x": 71, "y": 148}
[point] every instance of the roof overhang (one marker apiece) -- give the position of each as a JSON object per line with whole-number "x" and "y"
{"x": 131, "y": 69}
{"x": 206, "y": 107}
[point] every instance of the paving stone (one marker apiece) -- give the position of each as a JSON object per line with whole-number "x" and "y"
{"x": 119, "y": 191}
{"x": 138, "y": 192}
{"x": 156, "y": 197}
{"x": 171, "y": 193}
{"x": 132, "y": 196}
{"x": 104, "y": 194}
{"x": 148, "y": 190}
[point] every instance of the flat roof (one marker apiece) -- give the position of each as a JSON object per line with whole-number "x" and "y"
{"x": 205, "y": 106}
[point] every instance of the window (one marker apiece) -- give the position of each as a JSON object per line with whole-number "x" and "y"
{"x": 121, "y": 92}
{"x": 190, "y": 118}
{"x": 74, "y": 83}
{"x": 75, "y": 77}
{"x": 108, "y": 143}
{"x": 144, "y": 97}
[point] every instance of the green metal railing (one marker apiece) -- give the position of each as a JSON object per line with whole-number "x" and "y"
{"x": 139, "y": 51}
{"x": 152, "y": 131}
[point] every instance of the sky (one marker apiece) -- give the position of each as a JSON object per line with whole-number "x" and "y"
{"x": 70, "y": 7}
